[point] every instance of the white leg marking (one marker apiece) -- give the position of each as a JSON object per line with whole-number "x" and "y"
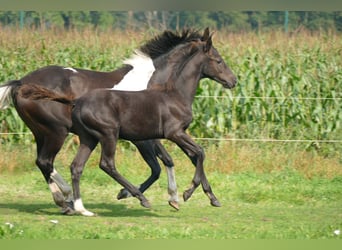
{"x": 57, "y": 195}
{"x": 62, "y": 184}
{"x": 79, "y": 208}
{"x": 137, "y": 78}
{"x": 72, "y": 69}
{"x": 172, "y": 188}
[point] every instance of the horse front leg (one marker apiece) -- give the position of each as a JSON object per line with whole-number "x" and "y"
{"x": 107, "y": 164}
{"x": 61, "y": 191}
{"x": 197, "y": 156}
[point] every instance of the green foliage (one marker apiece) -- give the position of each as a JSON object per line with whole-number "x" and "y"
{"x": 282, "y": 93}
{"x": 288, "y": 87}
{"x": 236, "y": 21}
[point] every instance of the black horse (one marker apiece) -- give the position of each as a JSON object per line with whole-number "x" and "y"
{"x": 50, "y": 122}
{"x": 163, "y": 111}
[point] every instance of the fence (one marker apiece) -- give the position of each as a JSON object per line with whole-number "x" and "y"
{"x": 236, "y": 139}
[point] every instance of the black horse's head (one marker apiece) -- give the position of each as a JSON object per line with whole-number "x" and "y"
{"x": 215, "y": 67}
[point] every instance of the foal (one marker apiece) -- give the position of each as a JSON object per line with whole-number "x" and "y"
{"x": 164, "y": 111}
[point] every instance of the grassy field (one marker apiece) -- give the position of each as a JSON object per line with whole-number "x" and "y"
{"x": 265, "y": 194}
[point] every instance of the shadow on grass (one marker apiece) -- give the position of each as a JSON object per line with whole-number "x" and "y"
{"x": 101, "y": 209}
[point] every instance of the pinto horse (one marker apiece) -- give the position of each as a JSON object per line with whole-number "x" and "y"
{"x": 50, "y": 122}
{"x": 162, "y": 111}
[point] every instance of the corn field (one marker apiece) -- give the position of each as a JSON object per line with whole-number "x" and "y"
{"x": 289, "y": 87}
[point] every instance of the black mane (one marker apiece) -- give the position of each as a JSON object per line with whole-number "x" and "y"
{"x": 166, "y": 41}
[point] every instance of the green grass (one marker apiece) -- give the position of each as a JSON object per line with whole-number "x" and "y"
{"x": 274, "y": 204}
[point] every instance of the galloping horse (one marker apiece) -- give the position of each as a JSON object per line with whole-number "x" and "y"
{"x": 162, "y": 111}
{"x": 50, "y": 122}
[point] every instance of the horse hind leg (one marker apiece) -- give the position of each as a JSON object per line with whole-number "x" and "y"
{"x": 76, "y": 169}
{"x": 60, "y": 189}
{"x": 67, "y": 205}
{"x": 164, "y": 156}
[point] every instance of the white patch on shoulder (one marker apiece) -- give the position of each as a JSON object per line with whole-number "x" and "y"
{"x": 137, "y": 78}
{"x": 72, "y": 69}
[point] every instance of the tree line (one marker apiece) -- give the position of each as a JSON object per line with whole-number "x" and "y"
{"x": 234, "y": 21}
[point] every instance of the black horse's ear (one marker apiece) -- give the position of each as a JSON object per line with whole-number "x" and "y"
{"x": 208, "y": 44}
{"x": 206, "y": 33}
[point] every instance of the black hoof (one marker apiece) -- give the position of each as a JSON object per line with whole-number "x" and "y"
{"x": 123, "y": 194}
{"x": 215, "y": 203}
{"x": 68, "y": 211}
{"x": 145, "y": 204}
{"x": 70, "y": 204}
{"x": 186, "y": 195}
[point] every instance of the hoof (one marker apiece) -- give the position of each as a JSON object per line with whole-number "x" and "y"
{"x": 186, "y": 195}
{"x": 215, "y": 203}
{"x": 70, "y": 204}
{"x": 174, "y": 204}
{"x": 87, "y": 213}
{"x": 123, "y": 194}
{"x": 68, "y": 211}
{"x": 145, "y": 204}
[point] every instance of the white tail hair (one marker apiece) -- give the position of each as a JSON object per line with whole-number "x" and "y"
{"x": 5, "y": 97}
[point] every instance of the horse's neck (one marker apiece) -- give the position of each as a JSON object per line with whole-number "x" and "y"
{"x": 163, "y": 71}
{"x": 186, "y": 81}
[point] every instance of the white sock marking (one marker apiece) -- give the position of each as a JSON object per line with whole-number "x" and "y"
{"x": 62, "y": 184}
{"x": 172, "y": 189}
{"x": 78, "y": 205}
{"x": 137, "y": 78}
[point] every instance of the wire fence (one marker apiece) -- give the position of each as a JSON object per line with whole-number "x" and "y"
{"x": 225, "y": 139}
{"x": 265, "y": 140}
{"x": 270, "y": 97}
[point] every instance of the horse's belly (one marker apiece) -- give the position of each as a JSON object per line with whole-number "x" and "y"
{"x": 139, "y": 134}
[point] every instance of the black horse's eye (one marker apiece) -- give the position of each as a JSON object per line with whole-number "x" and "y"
{"x": 219, "y": 61}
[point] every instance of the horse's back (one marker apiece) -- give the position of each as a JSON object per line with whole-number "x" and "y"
{"x": 75, "y": 81}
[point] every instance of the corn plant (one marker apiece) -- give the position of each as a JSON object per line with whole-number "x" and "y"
{"x": 288, "y": 87}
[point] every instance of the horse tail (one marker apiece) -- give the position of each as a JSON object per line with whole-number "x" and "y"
{"x": 36, "y": 92}
{"x": 5, "y": 93}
